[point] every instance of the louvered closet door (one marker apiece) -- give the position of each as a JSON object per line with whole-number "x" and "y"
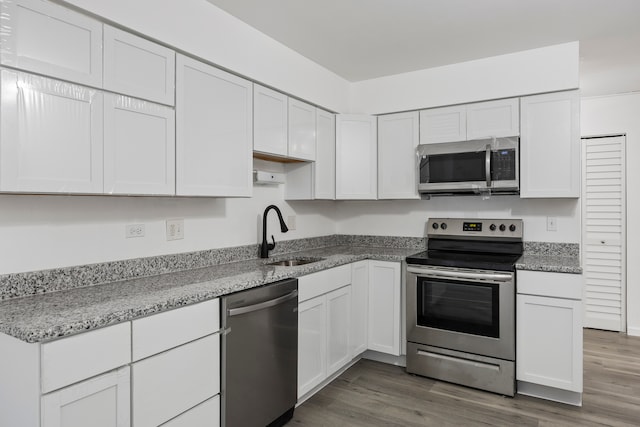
{"x": 604, "y": 233}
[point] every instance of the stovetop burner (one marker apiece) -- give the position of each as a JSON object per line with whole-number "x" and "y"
{"x": 498, "y": 262}
{"x": 487, "y": 244}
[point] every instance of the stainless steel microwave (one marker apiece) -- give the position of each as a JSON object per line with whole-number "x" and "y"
{"x": 477, "y": 166}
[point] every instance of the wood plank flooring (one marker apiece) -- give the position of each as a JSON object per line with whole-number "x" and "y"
{"x": 374, "y": 394}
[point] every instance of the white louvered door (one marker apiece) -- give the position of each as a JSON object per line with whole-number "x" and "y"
{"x": 604, "y": 254}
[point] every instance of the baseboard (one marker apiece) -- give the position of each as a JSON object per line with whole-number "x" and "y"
{"x": 385, "y": 358}
{"x": 634, "y": 332}
{"x": 550, "y": 393}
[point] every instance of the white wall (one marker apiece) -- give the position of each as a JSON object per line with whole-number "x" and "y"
{"x": 540, "y": 70}
{"x": 408, "y": 218}
{"x": 202, "y": 29}
{"x": 614, "y": 115}
{"x": 40, "y": 232}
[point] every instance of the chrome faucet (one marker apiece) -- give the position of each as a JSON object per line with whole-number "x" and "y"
{"x": 266, "y": 246}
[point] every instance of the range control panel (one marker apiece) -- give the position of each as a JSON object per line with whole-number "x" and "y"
{"x": 470, "y": 228}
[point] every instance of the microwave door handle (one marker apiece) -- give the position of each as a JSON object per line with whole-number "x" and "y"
{"x": 487, "y": 165}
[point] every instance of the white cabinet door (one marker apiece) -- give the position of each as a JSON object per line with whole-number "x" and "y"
{"x": 493, "y": 119}
{"x": 550, "y": 145}
{"x": 138, "y": 67}
{"x": 549, "y": 342}
{"x": 312, "y": 344}
{"x": 397, "y": 161}
{"x": 51, "y": 136}
{"x": 384, "y": 307}
{"x": 214, "y": 131}
{"x": 172, "y": 382}
{"x": 139, "y": 147}
{"x": 103, "y": 401}
{"x": 448, "y": 124}
{"x": 325, "y": 164}
{"x": 302, "y": 130}
{"x": 356, "y": 157}
{"x": 52, "y": 40}
{"x": 270, "y": 112}
{"x": 338, "y": 328}
{"x": 206, "y": 414}
{"x": 359, "y": 307}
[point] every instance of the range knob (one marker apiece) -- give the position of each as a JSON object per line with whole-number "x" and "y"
{"x": 435, "y": 226}
{"x": 502, "y": 227}
{"x": 492, "y": 227}
{"x": 512, "y": 227}
{"x": 443, "y": 226}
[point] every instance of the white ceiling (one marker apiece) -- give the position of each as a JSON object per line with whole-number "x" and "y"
{"x": 364, "y": 39}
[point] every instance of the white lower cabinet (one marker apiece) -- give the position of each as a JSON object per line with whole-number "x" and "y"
{"x": 338, "y": 322}
{"x": 312, "y": 347}
{"x": 549, "y": 336}
{"x": 103, "y": 401}
{"x": 359, "y": 307}
{"x": 170, "y": 383}
{"x": 384, "y": 307}
{"x": 206, "y": 414}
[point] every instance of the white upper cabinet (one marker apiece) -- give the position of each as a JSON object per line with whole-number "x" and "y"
{"x": 270, "y": 112}
{"x": 51, "y": 136}
{"x": 214, "y": 131}
{"x": 443, "y": 125}
{"x": 397, "y": 161}
{"x": 52, "y": 40}
{"x": 325, "y": 164}
{"x": 356, "y": 157}
{"x": 138, "y": 67}
{"x": 302, "y": 130}
{"x": 493, "y": 119}
{"x": 550, "y": 146}
{"x": 139, "y": 147}
{"x": 471, "y": 121}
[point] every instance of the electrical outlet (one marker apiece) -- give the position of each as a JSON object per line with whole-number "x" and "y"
{"x": 552, "y": 223}
{"x": 175, "y": 229}
{"x": 291, "y": 222}
{"x": 134, "y": 230}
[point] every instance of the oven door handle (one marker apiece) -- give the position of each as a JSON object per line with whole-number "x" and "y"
{"x": 498, "y": 277}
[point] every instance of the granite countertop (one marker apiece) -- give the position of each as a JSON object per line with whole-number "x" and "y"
{"x": 549, "y": 263}
{"x": 58, "y": 314}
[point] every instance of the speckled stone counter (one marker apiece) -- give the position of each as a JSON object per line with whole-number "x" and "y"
{"x": 57, "y": 314}
{"x": 550, "y": 257}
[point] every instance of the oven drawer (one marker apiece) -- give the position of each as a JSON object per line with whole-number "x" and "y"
{"x": 471, "y": 370}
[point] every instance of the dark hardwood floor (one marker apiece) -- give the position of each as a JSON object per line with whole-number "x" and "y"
{"x": 375, "y": 394}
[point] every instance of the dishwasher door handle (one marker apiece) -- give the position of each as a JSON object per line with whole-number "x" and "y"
{"x": 262, "y": 305}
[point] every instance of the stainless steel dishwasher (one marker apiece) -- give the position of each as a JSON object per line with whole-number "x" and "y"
{"x": 260, "y": 355}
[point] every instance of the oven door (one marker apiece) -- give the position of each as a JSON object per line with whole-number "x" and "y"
{"x": 462, "y": 309}
{"x": 469, "y": 166}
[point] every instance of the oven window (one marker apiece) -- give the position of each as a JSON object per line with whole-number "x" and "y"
{"x": 471, "y": 308}
{"x": 456, "y": 167}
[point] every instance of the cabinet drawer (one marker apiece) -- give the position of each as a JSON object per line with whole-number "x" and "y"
{"x": 76, "y": 358}
{"x": 52, "y": 40}
{"x": 548, "y": 284}
{"x": 138, "y": 67}
{"x": 319, "y": 283}
{"x": 163, "y": 331}
{"x": 172, "y": 382}
{"x": 206, "y": 414}
{"x": 100, "y": 401}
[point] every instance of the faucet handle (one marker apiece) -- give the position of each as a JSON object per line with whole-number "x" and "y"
{"x": 270, "y": 246}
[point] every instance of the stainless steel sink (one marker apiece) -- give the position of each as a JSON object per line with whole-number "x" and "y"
{"x": 294, "y": 262}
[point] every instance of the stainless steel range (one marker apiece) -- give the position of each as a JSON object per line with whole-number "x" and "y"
{"x": 461, "y": 303}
